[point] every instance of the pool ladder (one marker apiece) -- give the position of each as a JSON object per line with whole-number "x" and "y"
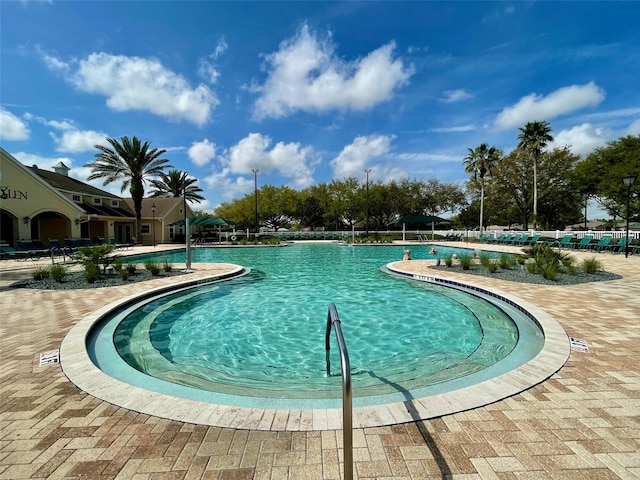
{"x": 347, "y": 395}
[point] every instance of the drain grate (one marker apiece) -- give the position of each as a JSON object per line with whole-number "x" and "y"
{"x": 50, "y": 357}
{"x": 579, "y": 345}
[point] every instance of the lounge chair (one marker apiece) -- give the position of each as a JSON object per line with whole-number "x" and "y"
{"x": 32, "y": 250}
{"x": 617, "y": 247}
{"x": 7, "y": 252}
{"x": 530, "y": 241}
{"x": 515, "y": 240}
{"x": 498, "y": 239}
{"x": 604, "y": 241}
{"x": 564, "y": 242}
{"x": 582, "y": 244}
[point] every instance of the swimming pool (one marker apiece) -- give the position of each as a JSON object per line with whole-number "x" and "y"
{"x": 260, "y": 339}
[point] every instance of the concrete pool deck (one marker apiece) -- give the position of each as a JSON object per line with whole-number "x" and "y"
{"x": 583, "y": 421}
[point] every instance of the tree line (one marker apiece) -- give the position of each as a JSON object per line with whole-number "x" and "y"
{"x": 531, "y": 185}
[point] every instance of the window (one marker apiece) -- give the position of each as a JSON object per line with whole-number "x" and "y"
{"x": 77, "y": 198}
{"x": 145, "y": 229}
{"x": 114, "y": 203}
{"x": 97, "y": 201}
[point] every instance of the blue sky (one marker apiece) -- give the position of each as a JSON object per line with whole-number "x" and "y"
{"x": 311, "y": 91}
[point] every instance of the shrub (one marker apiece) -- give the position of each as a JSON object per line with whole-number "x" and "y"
{"x": 131, "y": 268}
{"x": 99, "y": 255}
{"x": 549, "y": 271}
{"x": 531, "y": 267}
{"x": 492, "y": 267}
{"x": 591, "y": 265}
{"x": 153, "y": 267}
{"x": 58, "y": 272}
{"x": 167, "y": 266}
{"x": 124, "y": 274}
{"x": 465, "y": 261}
{"x": 118, "y": 264}
{"x": 506, "y": 261}
{"x": 485, "y": 259}
{"x": 448, "y": 260}
{"x": 91, "y": 272}
{"x": 40, "y": 273}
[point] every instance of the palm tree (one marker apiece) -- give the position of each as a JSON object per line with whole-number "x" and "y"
{"x": 534, "y": 136}
{"x": 131, "y": 162}
{"x": 176, "y": 183}
{"x": 481, "y": 161}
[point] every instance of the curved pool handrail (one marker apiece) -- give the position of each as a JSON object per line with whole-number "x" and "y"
{"x": 347, "y": 395}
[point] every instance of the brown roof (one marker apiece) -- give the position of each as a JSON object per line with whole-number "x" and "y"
{"x": 63, "y": 182}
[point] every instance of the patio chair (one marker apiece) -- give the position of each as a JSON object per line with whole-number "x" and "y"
{"x": 7, "y": 252}
{"x": 617, "y": 247}
{"x": 515, "y": 240}
{"x": 602, "y": 243}
{"x": 564, "y": 242}
{"x": 530, "y": 241}
{"x": 582, "y": 244}
{"x": 498, "y": 239}
{"x": 31, "y": 250}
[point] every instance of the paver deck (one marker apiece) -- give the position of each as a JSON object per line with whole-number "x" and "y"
{"x": 583, "y": 422}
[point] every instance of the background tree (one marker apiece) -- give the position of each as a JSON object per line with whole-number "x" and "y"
{"x": 176, "y": 183}
{"x": 277, "y": 206}
{"x": 381, "y": 211}
{"x": 510, "y": 189}
{"x": 534, "y": 136}
{"x": 481, "y": 162}
{"x": 600, "y": 175}
{"x": 131, "y": 162}
{"x": 559, "y": 202}
{"x": 310, "y": 212}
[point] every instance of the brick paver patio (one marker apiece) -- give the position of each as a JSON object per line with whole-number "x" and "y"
{"x": 582, "y": 423}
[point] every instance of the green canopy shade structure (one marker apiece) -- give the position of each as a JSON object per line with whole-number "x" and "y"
{"x": 205, "y": 222}
{"x": 419, "y": 219}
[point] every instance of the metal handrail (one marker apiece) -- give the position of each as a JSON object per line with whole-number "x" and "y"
{"x": 347, "y": 395}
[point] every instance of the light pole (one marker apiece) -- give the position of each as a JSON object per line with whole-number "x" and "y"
{"x": 628, "y": 180}
{"x": 255, "y": 193}
{"x": 585, "y": 199}
{"x": 367, "y": 171}
{"x": 153, "y": 224}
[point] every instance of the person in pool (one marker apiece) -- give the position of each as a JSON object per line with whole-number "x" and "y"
{"x": 407, "y": 254}
{"x": 433, "y": 251}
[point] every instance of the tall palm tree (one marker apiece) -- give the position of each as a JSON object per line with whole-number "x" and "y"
{"x": 176, "y": 183}
{"x": 481, "y": 161}
{"x": 131, "y": 162}
{"x": 534, "y": 136}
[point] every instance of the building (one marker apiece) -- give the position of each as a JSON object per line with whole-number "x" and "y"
{"x": 43, "y": 204}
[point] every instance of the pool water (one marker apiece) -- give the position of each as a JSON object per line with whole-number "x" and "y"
{"x": 262, "y": 336}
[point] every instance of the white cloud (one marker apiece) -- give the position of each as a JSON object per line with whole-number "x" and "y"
{"x": 450, "y": 96}
{"x": 460, "y": 128}
{"x": 221, "y": 47}
{"x": 537, "y": 107}
{"x": 74, "y": 141}
{"x": 582, "y": 139}
{"x": 207, "y": 68}
{"x": 290, "y": 160}
{"x": 11, "y": 127}
{"x": 134, "y": 83}
{"x": 306, "y": 74}
{"x": 634, "y": 128}
{"x": 202, "y": 152}
{"x": 228, "y": 186}
{"x": 353, "y": 158}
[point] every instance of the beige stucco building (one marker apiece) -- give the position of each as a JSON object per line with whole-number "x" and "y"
{"x": 45, "y": 205}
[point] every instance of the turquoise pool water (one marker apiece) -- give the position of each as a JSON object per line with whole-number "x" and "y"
{"x": 259, "y": 339}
